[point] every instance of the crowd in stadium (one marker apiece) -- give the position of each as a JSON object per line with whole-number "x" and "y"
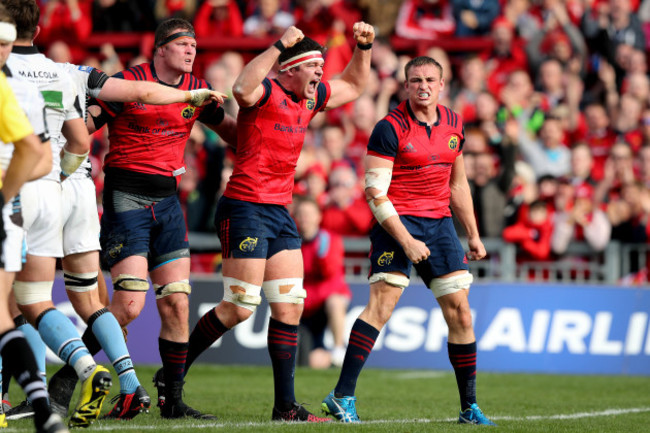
{"x": 556, "y": 109}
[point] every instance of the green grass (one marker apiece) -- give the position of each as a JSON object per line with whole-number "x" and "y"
{"x": 397, "y": 401}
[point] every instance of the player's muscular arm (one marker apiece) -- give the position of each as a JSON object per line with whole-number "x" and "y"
{"x": 463, "y": 207}
{"x": 146, "y": 92}
{"x": 227, "y": 130}
{"x": 376, "y": 187}
{"x": 76, "y": 148}
{"x": 247, "y": 88}
{"x": 353, "y": 79}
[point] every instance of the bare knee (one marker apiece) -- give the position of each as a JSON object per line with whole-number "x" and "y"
{"x": 174, "y": 307}
{"x": 459, "y": 317}
{"x": 127, "y": 311}
{"x": 231, "y": 314}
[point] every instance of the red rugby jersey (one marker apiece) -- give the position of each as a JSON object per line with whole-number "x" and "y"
{"x": 269, "y": 140}
{"x": 151, "y": 138}
{"x": 422, "y": 158}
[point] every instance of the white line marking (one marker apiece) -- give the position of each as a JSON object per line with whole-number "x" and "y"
{"x": 185, "y": 425}
{"x": 420, "y": 375}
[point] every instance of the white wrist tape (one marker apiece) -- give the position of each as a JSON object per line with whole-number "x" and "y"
{"x": 383, "y": 211}
{"x": 379, "y": 179}
{"x": 70, "y": 162}
{"x": 199, "y": 96}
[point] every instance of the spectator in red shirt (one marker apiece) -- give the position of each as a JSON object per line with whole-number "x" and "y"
{"x": 580, "y": 221}
{"x": 532, "y": 231}
{"x": 626, "y": 125}
{"x": 472, "y": 83}
{"x": 505, "y": 57}
{"x": 328, "y": 295}
{"x": 599, "y": 136}
{"x": 357, "y": 130}
{"x": 347, "y": 212}
{"x": 68, "y": 21}
{"x": 219, "y": 18}
{"x": 425, "y": 19}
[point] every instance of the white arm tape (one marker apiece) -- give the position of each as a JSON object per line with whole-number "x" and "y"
{"x": 379, "y": 178}
{"x": 70, "y": 162}
{"x": 383, "y": 211}
{"x": 199, "y": 96}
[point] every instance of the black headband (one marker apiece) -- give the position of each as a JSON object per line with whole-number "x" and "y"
{"x": 173, "y": 36}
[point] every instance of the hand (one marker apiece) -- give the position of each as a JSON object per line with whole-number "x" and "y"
{"x": 469, "y": 19}
{"x": 511, "y": 130}
{"x": 607, "y": 74}
{"x": 291, "y": 36}
{"x": 476, "y": 249}
{"x": 417, "y": 251}
{"x": 363, "y": 33}
{"x": 558, "y": 10}
{"x": 200, "y": 97}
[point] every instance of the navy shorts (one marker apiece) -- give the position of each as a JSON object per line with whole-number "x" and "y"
{"x": 254, "y": 230}
{"x": 447, "y": 255}
{"x": 157, "y": 232}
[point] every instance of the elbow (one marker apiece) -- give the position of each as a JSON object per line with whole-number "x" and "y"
{"x": 238, "y": 92}
{"x": 143, "y": 97}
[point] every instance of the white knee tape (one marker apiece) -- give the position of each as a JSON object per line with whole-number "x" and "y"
{"x": 394, "y": 280}
{"x": 287, "y": 290}
{"x": 80, "y": 282}
{"x": 445, "y": 286}
{"x": 241, "y": 293}
{"x": 32, "y": 292}
{"x": 182, "y": 286}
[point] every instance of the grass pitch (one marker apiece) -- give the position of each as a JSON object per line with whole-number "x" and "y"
{"x": 394, "y": 401}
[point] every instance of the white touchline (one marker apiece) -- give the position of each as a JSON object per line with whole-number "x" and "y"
{"x": 121, "y": 426}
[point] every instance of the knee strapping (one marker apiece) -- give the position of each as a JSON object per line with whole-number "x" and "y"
{"x": 288, "y": 290}
{"x": 446, "y": 286}
{"x": 32, "y": 292}
{"x": 241, "y": 293}
{"x": 182, "y": 286}
{"x": 80, "y": 282}
{"x": 394, "y": 280}
{"x": 130, "y": 283}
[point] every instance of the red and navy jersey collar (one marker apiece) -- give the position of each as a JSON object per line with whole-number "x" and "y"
{"x": 412, "y": 115}
{"x": 289, "y": 93}
{"x": 155, "y": 76}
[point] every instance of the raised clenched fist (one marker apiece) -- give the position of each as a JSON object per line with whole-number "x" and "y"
{"x": 292, "y": 36}
{"x": 363, "y": 33}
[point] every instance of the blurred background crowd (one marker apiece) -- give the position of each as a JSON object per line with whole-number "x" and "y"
{"x": 554, "y": 95}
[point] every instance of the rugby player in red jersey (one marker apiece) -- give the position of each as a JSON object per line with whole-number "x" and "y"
{"x": 414, "y": 172}
{"x": 143, "y": 230}
{"x": 259, "y": 239}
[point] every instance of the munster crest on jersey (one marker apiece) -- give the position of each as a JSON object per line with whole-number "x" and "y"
{"x": 311, "y": 104}
{"x": 188, "y": 112}
{"x": 453, "y": 143}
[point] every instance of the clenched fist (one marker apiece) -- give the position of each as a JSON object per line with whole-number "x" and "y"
{"x": 363, "y": 33}
{"x": 291, "y": 37}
